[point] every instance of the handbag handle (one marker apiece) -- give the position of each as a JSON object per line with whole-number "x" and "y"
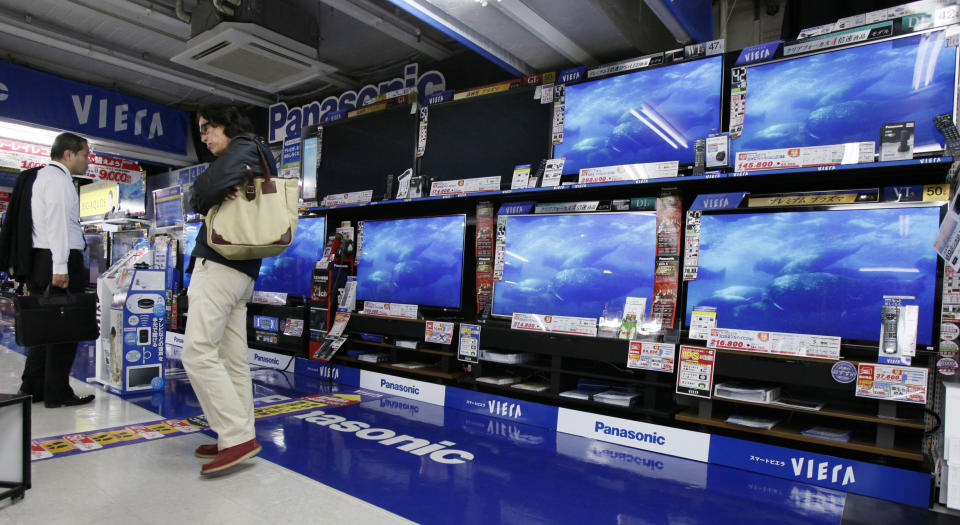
{"x": 268, "y": 186}
{"x": 46, "y": 292}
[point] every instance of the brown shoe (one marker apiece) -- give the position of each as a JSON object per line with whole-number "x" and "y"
{"x": 207, "y": 451}
{"x": 231, "y": 456}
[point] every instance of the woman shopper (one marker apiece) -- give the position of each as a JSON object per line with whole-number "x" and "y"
{"x": 215, "y": 349}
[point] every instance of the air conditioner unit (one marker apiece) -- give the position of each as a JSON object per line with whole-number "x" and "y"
{"x": 253, "y": 56}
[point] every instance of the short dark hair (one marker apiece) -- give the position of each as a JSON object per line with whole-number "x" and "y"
{"x": 233, "y": 122}
{"x": 66, "y": 142}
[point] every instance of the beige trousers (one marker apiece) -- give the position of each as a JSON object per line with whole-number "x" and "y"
{"x": 215, "y": 350}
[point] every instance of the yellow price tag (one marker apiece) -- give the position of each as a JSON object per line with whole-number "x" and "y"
{"x": 936, "y": 192}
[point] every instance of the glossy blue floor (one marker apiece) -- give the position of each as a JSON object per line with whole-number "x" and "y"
{"x": 339, "y": 463}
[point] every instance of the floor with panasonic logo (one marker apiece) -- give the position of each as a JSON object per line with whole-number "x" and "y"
{"x": 479, "y": 464}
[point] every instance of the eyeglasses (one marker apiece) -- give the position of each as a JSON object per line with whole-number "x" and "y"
{"x": 204, "y": 128}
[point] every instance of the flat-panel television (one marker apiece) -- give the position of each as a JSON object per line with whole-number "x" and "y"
{"x": 576, "y": 265}
{"x": 291, "y": 271}
{"x": 821, "y": 272}
{"x": 486, "y": 136}
{"x": 647, "y": 116}
{"x": 356, "y": 154}
{"x": 848, "y": 94}
{"x": 412, "y": 261}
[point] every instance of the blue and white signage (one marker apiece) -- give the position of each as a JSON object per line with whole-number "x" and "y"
{"x": 718, "y": 201}
{"x": 758, "y": 53}
{"x": 571, "y": 75}
{"x": 49, "y": 100}
{"x": 344, "y": 375}
{"x": 401, "y": 386}
{"x": 868, "y": 479}
{"x": 665, "y": 440}
{"x": 843, "y": 372}
{"x": 502, "y": 407}
{"x": 286, "y": 122}
{"x": 268, "y": 359}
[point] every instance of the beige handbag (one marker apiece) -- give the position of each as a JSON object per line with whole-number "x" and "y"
{"x": 260, "y": 222}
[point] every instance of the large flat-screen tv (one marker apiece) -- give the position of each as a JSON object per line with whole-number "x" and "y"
{"x": 413, "y": 261}
{"x": 356, "y": 154}
{"x": 190, "y": 231}
{"x": 576, "y": 264}
{"x": 291, "y": 271}
{"x": 486, "y": 136}
{"x": 848, "y": 94}
{"x": 817, "y": 271}
{"x": 653, "y": 115}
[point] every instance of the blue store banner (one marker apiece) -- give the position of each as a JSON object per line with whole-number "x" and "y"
{"x": 502, "y": 407}
{"x": 340, "y": 374}
{"x": 758, "y": 53}
{"x": 48, "y": 100}
{"x": 573, "y": 74}
{"x": 718, "y": 201}
{"x": 868, "y": 479}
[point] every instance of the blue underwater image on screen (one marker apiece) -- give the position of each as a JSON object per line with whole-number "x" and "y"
{"x": 575, "y": 265}
{"x": 816, "y": 272}
{"x": 847, "y": 95}
{"x": 412, "y": 261}
{"x": 647, "y": 116}
{"x": 291, "y": 271}
{"x": 190, "y": 231}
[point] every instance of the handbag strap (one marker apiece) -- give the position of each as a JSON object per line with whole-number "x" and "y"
{"x": 268, "y": 186}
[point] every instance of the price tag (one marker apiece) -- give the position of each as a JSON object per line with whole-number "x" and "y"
{"x": 695, "y": 374}
{"x": 936, "y": 192}
{"x": 702, "y": 320}
{"x": 469, "y": 348}
{"x": 438, "y": 332}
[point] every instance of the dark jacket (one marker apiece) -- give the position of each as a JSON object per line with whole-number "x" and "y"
{"x": 16, "y": 238}
{"x": 214, "y": 184}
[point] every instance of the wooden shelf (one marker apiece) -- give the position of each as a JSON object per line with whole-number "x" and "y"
{"x": 833, "y": 412}
{"x": 785, "y": 357}
{"x": 619, "y": 379}
{"x": 432, "y": 372}
{"x": 402, "y": 319}
{"x": 385, "y": 345}
{"x": 785, "y": 431}
{"x": 520, "y": 365}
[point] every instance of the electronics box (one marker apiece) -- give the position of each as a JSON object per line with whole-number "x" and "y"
{"x": 499, "y": 357}
{"x": 718, "y": 151}
{"x": 753, "y": 395}
{"x": 130, "y": 350}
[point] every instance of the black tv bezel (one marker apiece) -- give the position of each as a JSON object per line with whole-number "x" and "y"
{"x": 289, "y": 295}
{"x": 311, "y": 132}
{"x": 724, "y": 74}
{"x": 547, "y": 138}
{"x": 860, "y": 344}
{"x": 463, "y": 257}
{"x": 493, "y": 294}
{"x": 956, "y": 81}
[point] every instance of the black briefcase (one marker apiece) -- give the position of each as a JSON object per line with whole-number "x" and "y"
{"x": 55, "y": 318}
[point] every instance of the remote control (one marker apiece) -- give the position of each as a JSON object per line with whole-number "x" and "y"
{"x": 889, "y": 316}
{"x": 700, "y": 156}
{"x": 946, "y": 126}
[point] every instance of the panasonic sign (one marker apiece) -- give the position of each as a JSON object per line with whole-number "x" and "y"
{"x": 439, "y": 452}
{"x": 428, "y": 392}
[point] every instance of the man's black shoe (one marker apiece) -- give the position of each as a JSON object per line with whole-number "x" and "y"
{"x": 70, "y": 401}
{"x": 36, "y": 399}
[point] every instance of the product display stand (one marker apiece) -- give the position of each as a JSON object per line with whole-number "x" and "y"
{"x": 14, "y": 445}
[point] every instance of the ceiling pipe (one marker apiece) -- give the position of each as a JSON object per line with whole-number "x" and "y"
{"x": 181, "y": 13}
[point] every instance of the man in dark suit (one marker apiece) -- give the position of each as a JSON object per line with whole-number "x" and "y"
{"x": 58, "y": 263}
